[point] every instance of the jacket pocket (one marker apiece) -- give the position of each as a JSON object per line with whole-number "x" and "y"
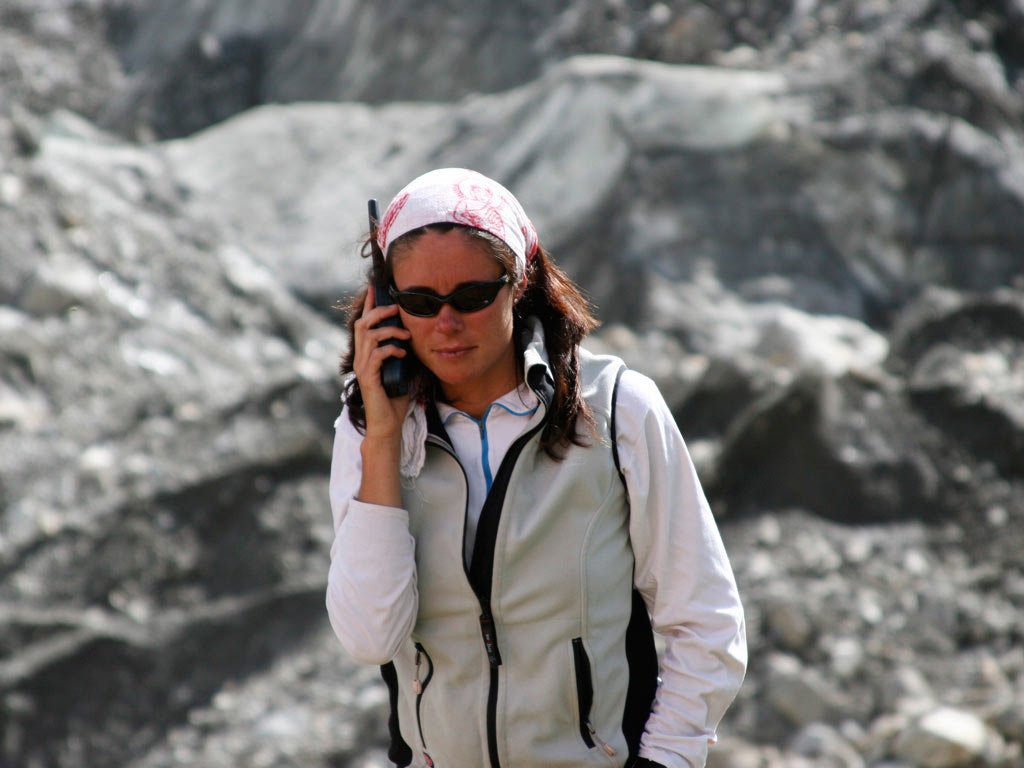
{"x": 584, "y": 689}
{"x": 585, "y": 698}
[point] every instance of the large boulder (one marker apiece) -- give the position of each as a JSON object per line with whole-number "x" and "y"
{"x": 964, "y": 361}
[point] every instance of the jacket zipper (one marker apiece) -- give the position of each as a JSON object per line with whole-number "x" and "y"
{"x": 585, "y": 698}
{"x": 494, "y": 660}
{"x": 487, "y": 632}
{"x": 483, "y": 591}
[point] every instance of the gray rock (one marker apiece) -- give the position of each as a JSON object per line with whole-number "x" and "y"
{"x": 826, "y": 746}
{"x": 846, "y": 655}
{"x": 844, "y": 449}
{"x": 788, "y": 621}
{"x": 947, "y": 738}
{"x": 58, "y": 285}
{"x": 905, "y": 688}
{"x": 833, "y": 345}
{"x": 971, "y": 382}
{"x": 801, "y": 694}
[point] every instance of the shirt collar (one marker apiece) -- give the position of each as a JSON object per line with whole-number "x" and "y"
{"x": 521, "y": 401}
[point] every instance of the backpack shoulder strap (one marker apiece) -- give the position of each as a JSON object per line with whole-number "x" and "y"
{"x": 614, "y": 435}
{"x": 641, "y": 652}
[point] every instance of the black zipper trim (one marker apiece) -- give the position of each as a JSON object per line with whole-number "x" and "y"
{"x": 420, "y": 650}
{"x": 481, "y": 568}
{"x": 584, "y": 689}
{"x": 492, "y": 720}
{"x": 614, "y": 432}
{"x": 437, "y": 435}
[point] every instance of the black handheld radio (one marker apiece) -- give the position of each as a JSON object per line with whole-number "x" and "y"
{"x": 394, "y": 371}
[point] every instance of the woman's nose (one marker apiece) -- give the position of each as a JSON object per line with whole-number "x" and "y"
{"x": 448, "y": 319}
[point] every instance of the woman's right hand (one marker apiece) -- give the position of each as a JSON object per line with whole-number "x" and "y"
{"x": 384, "y": 415}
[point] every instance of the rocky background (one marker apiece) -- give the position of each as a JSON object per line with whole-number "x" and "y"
{"x": 805, "y": 220}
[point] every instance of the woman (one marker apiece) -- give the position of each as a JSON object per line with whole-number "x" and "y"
{"x": 507, "y": 534}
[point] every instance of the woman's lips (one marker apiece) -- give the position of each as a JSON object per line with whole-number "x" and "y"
{"x": 453, "y": 353}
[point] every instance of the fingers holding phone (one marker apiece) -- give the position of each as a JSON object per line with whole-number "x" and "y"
{"x": 375, "y": 346}
{"x": 394, "y": 373}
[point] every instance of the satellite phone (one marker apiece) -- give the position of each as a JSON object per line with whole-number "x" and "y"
{"x": 393, "y": 371}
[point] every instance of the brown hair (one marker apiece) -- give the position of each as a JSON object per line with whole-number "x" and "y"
{"x": 550, "y": 296}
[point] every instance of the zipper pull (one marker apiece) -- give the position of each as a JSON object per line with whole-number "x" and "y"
{"x": 417, "y": 686}
{"x": 490, "y": 639}
{"x": 607, "y": 748}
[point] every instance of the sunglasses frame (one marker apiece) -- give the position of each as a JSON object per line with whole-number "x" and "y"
{"x": 499, "y": 283}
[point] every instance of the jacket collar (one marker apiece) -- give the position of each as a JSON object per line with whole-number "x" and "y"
{"x": 536, "y": 363}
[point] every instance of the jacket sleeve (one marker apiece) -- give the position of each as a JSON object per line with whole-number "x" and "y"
{"x": 371, "y": 585}
{"x": 684, "y": 575}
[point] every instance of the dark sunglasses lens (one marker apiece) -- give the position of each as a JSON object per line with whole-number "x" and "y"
{"x": 468, "y": 299}
{"x": 421, "y": 304}
{"x": 474, "y": 297}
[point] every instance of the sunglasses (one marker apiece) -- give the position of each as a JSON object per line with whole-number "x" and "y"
{"x": 471, "y": 297}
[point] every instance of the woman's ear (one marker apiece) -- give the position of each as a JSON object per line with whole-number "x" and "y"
{"x": 517, "y": 296}
{"x": 520, "y": 287}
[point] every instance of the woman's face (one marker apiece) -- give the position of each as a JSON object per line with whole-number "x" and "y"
{"x": 472, "y": 354}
